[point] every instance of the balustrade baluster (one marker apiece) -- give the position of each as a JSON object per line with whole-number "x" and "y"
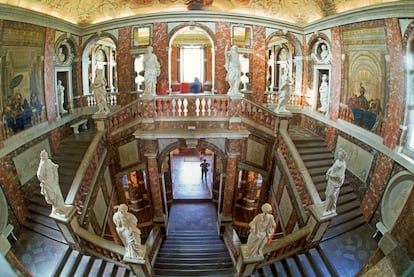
{"x": 203, "y": 106}
{"x": 185, "y": 109}
{"x": 179, "y": 102}
{"x": 209, "y": 107}
{"x": 197, "y": 107}
{"x": 174, "y": 107}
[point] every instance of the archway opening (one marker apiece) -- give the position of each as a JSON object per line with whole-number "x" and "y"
{"x": 187, "y": 179}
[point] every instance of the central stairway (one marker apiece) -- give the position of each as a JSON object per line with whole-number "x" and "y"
{"x": 192, "y": 246}
{"x": 193, "y": 253}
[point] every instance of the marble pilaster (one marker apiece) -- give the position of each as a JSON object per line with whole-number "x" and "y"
{"x": 396, "y": 83}
{"x": 229, "y": 185}
{"x": 336, "y": 82}
{"x": 49, "y": 75}
{"x": 124, "y": 64}
{"x": 258, "y": 66}
{"x": 223, "y": 37}
{"x": 377, "y": 185}
{"x": 160, "y": 47}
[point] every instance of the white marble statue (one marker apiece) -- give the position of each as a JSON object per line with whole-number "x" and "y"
{"x": 151, "y": 72}
{"x": 335, "y": 176}
{"x": 47, "y": 173}
{"x": 261, "y": 229}
{"x": 61, "y": 97}
{"x": 324, "y": 94}
{"x": 129, "y": 233}
{"x": 284, "y": 93}
{"x": 99, "y": 89}
{"x": 233, "y": 67}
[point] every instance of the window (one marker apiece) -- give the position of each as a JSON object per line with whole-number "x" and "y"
{"x": 192, "y": 60}
{"x": 407, "y": 145}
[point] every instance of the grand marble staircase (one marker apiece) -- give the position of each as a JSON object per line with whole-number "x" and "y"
{"x": 68, "y": 157}
{"x": 316, "y": 262}
{"x": 193, "y": 253}
{"x": 73, "y": 263}
{"x": 318, "y": 158}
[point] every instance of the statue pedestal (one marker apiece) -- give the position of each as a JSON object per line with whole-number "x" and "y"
{"x": 246, "y": 265}
{"x": 320, "y": 221}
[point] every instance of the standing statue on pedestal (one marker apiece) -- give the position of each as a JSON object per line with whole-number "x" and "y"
{"x": 99, "y": 89}
{"x": 61, "y": 97}
{"x": 47, "y": 173}
{"x": 335, "y": 176}
{"x": 151, "y": 72}
{"x": 261, "y": 229}
{"x": 284, "y": 93}
{"x": 129, "y": 233}
{"x": 233, "y": 67}
{"x": 324, "y": 94}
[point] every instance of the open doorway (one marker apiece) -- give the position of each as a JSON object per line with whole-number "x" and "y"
{"x": 187, "y": 181}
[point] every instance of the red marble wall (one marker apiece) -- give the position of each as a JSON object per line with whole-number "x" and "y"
{"x": 124, "y": 64}
{"x": 160, "y": 46}
{"x": 223, "y": 36}
{"x": 258, "y": 66}
{"x": 396, "y": 85}
{"x": 376, "y": 186}
{"x": 383, "y": 166}
{"x": 336, "y": 70}
{"x": 49, "y": 75}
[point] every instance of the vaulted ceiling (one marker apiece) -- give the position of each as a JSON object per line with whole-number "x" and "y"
{"x": 86, "y": 12}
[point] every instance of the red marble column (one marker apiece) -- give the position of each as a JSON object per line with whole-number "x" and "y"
{"x": 155, "y": 186}
{"x": 336, "y": 82}
{"x": 223, "y": 37}
{"x": 229, "y": 186}
{"x": 124, "y": 64}
{"x": 258, "y": 66}
{"x": 160, "y": 47}
{"x": 396, "y": 86}
{"x": 49, "y": 72}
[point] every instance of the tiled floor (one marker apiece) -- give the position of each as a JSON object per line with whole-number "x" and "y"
{"x": 347, "y": 253}
{"x": 187, "y": 182}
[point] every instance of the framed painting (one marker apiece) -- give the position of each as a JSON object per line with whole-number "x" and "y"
{"x": 141, "y": 36}
{"x": 241, "y": 36}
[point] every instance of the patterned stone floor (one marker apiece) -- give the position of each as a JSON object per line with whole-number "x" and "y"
{"x": 350, "y": 251}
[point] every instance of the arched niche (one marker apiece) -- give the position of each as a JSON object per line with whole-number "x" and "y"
{"x": 395, "y": 196}
{"x": 191, "y": 55}
{"x": 283, "y": 54}
{"x": 100, "y": 52}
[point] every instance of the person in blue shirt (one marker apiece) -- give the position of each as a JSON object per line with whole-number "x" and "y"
{"x": 195, "y": 86}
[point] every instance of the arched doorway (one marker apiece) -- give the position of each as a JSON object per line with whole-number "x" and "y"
{"x": 191, "y": 55}
{"x": 187, "y": 180}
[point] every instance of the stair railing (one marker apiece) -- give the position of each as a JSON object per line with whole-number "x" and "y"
{"x": 297, "y": 170}
{"x": 280, "y": 248}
